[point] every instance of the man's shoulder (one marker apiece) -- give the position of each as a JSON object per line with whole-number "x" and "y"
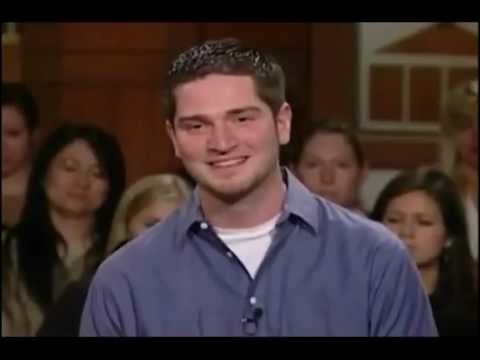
{"x": 353, "y": 229}
{"x": 153, "y": 247}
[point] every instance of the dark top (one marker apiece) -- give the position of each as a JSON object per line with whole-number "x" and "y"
{"x": 452, "y": 318}
{"x": 63, "y": 318}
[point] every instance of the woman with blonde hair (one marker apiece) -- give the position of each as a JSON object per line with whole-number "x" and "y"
{"x": 459, "y": 151}
{"x": 145, "y": 203}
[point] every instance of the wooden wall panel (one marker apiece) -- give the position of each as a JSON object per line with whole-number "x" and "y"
{"x": 398, "y": 153}
{"x": 332, "y": 70}
{"x": 425, "y": 94}
{"x": 42, "y": 66}
{"x": 385, "y": 102}
{"x": 264, "y": 35}
{"x": 131, "y": 37}
{"x": 110, "y": 74}
{"x": 11, "y": 63}
{"x": 295, "y": 66}
{"x": 100, "y": 68}
{"x": 141, "y": 129}
{"x": 88, "y": 103}
{"x": 49, "y": 99}
{"x": 38, "y": 36}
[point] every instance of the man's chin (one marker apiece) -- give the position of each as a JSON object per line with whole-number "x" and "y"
{"x": 227, "y": 190}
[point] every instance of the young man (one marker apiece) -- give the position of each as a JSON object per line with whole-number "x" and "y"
{"x": 252, "y": 252}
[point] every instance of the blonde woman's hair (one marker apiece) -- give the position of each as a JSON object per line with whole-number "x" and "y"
{"x": 462, "y": 112}
{"x": 167, "y": 187}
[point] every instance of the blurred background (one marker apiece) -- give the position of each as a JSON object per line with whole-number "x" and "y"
{"x": 388, "y": 80}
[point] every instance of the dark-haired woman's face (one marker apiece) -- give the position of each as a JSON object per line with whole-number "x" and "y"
{"x": 75, "y": 183}
{"x": 16, "y": 141}
{"x": 328, "y": 167}
{"x": 416, "y": 218}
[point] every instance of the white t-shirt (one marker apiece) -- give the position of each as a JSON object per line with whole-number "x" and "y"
{"x": 251, "y": 244}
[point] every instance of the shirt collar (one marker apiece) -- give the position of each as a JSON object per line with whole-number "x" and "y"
{"x": 298, "y": 201}
{"x": 191, "y": 214}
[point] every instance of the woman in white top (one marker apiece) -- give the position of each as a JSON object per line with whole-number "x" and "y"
{"x": 460, "y": 151}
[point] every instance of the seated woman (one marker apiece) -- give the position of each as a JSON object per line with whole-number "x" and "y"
{"x": 425, "y": 210}
{"x": 74, "y": 187}
{"x": 329, "y": 161}
{"x": 19, "y": 130}
{"x": 145, "y": 203}
{"x": 460, "y": 151}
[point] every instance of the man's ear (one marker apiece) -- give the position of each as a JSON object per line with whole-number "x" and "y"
{"x": 283, "y": 123}
{"x": 171, "y": 135}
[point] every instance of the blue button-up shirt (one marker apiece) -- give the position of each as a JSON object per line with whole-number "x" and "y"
{"x": 328, "y": 272}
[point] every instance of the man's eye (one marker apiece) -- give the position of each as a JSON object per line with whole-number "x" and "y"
{"x": 195, "y": 126}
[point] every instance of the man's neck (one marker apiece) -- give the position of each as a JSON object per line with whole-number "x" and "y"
{"x": 256, "y": 207}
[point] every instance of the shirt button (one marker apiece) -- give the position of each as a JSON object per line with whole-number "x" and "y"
{"x": 204, "y": 226}
{"x": 253, "y": 300}
{"x": 229, "y": 254}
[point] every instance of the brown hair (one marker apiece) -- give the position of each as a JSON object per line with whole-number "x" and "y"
{"x": 229, "y": 57}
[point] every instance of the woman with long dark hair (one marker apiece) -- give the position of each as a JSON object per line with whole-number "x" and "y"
{"x": 424, "y": 208}
{"x": 74, "y": 187}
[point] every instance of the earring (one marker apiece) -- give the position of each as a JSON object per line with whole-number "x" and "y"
{"x": 448, "y": 243}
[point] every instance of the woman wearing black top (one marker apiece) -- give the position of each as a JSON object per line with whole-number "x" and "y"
{"x": 425, "y": 210}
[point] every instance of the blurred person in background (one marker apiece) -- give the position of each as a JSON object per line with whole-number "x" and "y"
{"x": 73, "y": 190}
{"x": 425, "y": 210}
{"x": 19, "y": 133}
{"x": 330, "y": 162}
{"x": 145, "y": 203}
{"x": 460, "y": 151}
{"x": 148, "y": 201}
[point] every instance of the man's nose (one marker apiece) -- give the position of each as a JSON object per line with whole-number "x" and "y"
{"x": 222, "y": 139}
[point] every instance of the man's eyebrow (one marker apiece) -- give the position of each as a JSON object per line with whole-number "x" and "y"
{"x": 243, "y": 109}
{"x": 195, "y": 117}
{"x": 234, "y": 111}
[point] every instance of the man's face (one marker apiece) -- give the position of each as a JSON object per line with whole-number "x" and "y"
{"x": 226, "y": 135}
